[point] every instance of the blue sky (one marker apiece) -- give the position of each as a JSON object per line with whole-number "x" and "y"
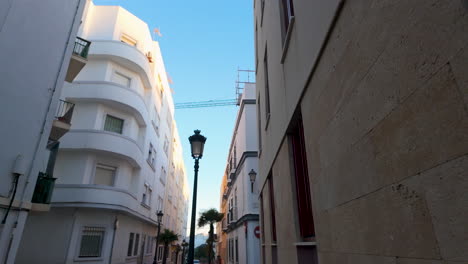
{"x": 203, "y": 44}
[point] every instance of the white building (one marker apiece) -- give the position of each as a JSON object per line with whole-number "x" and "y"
{"x": 38, "y": 51}
{"x": 241, "y": 194}
{"x": 115, "y": 164}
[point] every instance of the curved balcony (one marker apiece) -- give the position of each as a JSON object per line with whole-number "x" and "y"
{"x": 103, "y": 141}
{"x": 111, "y": 94}
{"x": 97, "y": 196}
{"x": 125, "y": 55}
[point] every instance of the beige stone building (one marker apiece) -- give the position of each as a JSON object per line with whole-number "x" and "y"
{"x": 363, "y": 127}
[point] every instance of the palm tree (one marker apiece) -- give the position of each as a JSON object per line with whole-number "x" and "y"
{"x": 210, "y": 217}
{"x": 167, "y": 237}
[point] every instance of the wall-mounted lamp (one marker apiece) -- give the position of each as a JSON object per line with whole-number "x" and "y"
{"x": 252, "y": 175}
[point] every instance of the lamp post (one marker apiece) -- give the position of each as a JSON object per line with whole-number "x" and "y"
{"x": 177, "y": 250}
{"x": 197, "y": 142}
{"x": 252, "y": 175}
{"x": 159, "y": 215}
{"x": 184, "y": 245}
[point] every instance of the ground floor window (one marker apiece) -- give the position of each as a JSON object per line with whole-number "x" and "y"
{"x": 149, "y": 245}
{"x": 92, "y": 239}
{"x": 160, "y": 253}
{"x": 133, "y": 242}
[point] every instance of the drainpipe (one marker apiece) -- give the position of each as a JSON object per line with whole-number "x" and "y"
{"x": 116, "y": 226}
{"x": 53, "y": 147}
{"x": 246, "y": 243}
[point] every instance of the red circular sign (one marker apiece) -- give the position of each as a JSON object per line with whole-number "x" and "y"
{"x": 257, "y": 231}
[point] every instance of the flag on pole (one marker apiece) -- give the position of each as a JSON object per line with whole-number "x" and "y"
{"x": 169, "y": 79}
{"x": 157, "y": 31}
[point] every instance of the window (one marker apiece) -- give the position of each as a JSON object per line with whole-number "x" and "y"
{"x": 113, "y": 124}
{"x": 229, "y": 250}
{"x": 155, "y": 121}
{"x": 235, "y": 204}
{"x": 128, "y": 40}
{"x": 160, "y": 253}
{"x": 166, "y": 146}
{"x": 137, "y": 242}
{"x": 121, "y": 79}
{"x": 235, "y": 156}
{"x": 259, "y": 128}
{"x": 263, "y": 7}
{"x": 267, "y": 87}
{"x": 262, "y": 220}
{"x": 104, "y": 175}
{"x": 130, "y": 244}
{"x": 149, "y": 245}
{"x": 303, "y": 194}
{"x": 160, "y": 204}
{"x": 163, "y": 175}
{"x": 169, "y": 120}
{"x": 256, "y": 46}
{"x": 92, "y": 239}
{"x": 161, "y": 89}
{"x": 151, "y": 156}
{"x": 272, "y": 207}
{"x": 143, "y": 244}
{"x": 231, "y": 211}
{"x": 287, "y": 10}
{"x": 237, "y": 250}
{"x": 147, "y": 193}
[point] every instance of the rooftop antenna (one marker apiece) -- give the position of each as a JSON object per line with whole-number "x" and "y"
{"x": 243, "y": 77}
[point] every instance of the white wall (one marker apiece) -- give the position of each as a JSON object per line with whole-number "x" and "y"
{"x": 36, "y": 38}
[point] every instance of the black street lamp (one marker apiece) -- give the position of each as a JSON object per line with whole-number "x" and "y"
{"x": 160, "y": 215}
{"x": 184, "y": 245}
{"x": 177, "y": 250}
{"x": 197, "y": 142}
{"x": 252, "y": 175}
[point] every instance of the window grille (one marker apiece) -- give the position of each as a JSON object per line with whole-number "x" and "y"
{"x": 91, "y": 242}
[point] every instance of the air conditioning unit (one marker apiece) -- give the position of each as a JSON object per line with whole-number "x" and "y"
{"x": 149, "y": 56}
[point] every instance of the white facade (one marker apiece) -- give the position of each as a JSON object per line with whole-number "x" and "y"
{"x": 116, "y": 166}
{"x": 36, "y": 43}
{"x": 241, "y": 215}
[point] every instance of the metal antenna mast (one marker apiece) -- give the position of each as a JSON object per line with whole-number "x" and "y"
{"x": 243, "y": 77}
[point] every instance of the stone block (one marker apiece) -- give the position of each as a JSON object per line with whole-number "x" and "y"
{"x": 414, "y": 53}
{"x": 436, "y": 31}
{"x": 430, "y": 127}
{"x": 348, "y": 258}
{"x": 445, "y": 190}
{"x": 322, "y": 230}
{"x": 285, "y": 206}
{"x": 459, "y": 66}
{"x": 393, "y": 221}
{"x": 418, "y": 261}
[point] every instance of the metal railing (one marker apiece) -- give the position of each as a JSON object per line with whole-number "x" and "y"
{"x": 224, "y": 224}
{"x": 64, "y": 111}
{"x": 81, "y": 47}
{"x": 44, "y": 189}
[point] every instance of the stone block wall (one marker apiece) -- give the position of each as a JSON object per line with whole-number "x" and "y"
{"x": 386, "y": 124}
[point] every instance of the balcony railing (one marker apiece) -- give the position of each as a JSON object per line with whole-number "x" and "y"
{"x": 224, "y": 225}
{"x": 65, "y": 111}
{"x": 44, "y": 189}
{"x": 81, "y": 47}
